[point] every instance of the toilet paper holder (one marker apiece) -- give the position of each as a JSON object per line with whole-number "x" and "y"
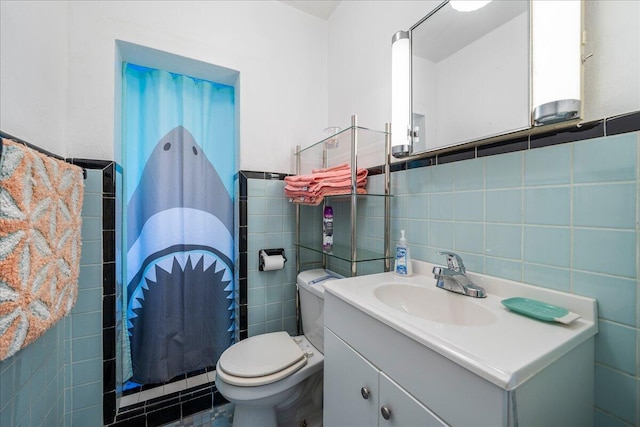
{"x": 269, "y": 252}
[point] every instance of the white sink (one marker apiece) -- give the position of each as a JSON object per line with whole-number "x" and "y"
{"x": 479, "y": 334}
{"x": 433, "y": 304}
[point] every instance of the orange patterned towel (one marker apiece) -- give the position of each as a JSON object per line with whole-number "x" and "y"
{"x": 40, "y": 227}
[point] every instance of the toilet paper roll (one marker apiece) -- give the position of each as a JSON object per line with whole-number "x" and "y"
{"x": 272, "y": 262}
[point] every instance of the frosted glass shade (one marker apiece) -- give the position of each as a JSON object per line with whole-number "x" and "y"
{"x": 400, "y": 94}
{"x": 556, "y": 30}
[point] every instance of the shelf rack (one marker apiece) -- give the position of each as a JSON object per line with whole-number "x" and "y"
{"x": 346, "y": 146}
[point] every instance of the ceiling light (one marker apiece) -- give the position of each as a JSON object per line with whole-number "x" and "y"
{"x": 468, "y": 5}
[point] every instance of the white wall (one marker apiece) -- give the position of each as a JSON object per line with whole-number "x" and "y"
{"x": 298, "y": 73}
{"x": 33, "y": 72}
{"x": 612, "y": 74}
{"x": 280, "y": 52}
{"x": 360, "y": 57}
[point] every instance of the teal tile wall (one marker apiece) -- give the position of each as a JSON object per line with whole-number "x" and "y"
{"x": 369, "y": 226}
{"x": 83, "y": 389}
{"x": 271, "y": 222}
{"x": 563, "y": 217}
{"x": 31, "y": 382}
{"x": 271, "y": 295}
{"x": 57, "y": 380}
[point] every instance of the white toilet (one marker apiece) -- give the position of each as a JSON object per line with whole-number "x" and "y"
{"x": 275, "y": 379}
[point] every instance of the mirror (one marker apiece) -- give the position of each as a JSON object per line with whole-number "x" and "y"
{"x": 470, "y": 74}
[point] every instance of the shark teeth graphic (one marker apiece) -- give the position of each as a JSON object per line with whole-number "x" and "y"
{"x": 166, "y": 264}
{"x": 179, "y": 316}
{"x": 181, "y": 257}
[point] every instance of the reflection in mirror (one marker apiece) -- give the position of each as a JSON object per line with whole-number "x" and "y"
{"x": 470, "y": 74}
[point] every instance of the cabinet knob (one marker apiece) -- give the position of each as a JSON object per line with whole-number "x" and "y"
{"x": 386, "y": 412}
{"x": 365, "y": 392}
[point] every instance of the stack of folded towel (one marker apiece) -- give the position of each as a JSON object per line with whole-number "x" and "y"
{"x": 311, "y": 189}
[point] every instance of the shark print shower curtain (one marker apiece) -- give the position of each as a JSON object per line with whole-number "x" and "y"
{"x": 178, "y": 162}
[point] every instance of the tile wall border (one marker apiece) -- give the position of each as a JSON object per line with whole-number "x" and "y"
{"x": 624, "y": 123}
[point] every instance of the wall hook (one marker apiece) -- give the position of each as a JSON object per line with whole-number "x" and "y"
{"x": 584, "y": 58}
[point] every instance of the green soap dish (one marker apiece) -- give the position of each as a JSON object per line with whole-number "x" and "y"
{"x": 540, "y": 310}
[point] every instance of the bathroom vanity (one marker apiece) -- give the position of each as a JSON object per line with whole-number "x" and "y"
{"x": 399, "y": 351}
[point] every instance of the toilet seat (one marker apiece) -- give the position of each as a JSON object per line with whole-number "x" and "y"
{"x": 261, "y": 360}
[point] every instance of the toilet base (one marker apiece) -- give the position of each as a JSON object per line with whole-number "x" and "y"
{"x": 304, "y": 404}
{"x": 255, "y": 416}
{"x": 305, "y": 407}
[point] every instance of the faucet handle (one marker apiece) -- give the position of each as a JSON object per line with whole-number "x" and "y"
{"x": 454, "y": 261}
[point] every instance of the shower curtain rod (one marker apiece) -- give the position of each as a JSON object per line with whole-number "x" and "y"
{"x": 35, "y": 147}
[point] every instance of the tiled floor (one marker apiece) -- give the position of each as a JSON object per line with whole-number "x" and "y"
{"x": 220, "y": 416}
{"x": 163, "y": 390}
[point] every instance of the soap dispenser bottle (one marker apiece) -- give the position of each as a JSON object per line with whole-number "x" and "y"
{"x": 402, "y": 265}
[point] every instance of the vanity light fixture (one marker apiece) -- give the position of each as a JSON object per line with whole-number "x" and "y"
{"x": 468, "y": 5}
{"x": 555, "y": 32}
{"x": 400, "y": 94}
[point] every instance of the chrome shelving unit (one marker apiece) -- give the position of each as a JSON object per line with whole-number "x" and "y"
{"x": 351, "y": 145}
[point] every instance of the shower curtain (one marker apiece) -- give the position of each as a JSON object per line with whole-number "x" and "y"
{"x": 178, "y": 159}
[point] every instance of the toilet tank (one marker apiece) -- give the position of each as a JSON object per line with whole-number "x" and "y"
{"x": 311, "y": 289}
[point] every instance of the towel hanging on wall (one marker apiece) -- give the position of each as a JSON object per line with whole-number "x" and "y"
{"x": 40, "y": 240}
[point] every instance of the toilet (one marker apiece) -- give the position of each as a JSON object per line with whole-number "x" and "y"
{"x": 275, "y": 379}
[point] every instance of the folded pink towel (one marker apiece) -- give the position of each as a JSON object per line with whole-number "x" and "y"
{"x": 321, "y": 174}
{"x": 315, "y": 200}
{"x": 312, "y": 188}
{"x": 361, "y": 181}
{"x": 299, "y": 181}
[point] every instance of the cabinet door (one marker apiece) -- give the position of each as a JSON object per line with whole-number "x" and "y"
{"x": 346, "y": 373}
{"x": 403, "y": 409}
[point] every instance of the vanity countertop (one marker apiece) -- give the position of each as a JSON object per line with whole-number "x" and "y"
{"x": 503, "y": 347}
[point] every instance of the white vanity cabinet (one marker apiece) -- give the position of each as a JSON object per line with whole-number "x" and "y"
{"x": 515, "y": 371}
{"x": 362, "y": 395}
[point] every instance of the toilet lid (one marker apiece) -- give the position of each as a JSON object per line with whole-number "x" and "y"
{"x": 261, "y": 355}
{"x": 256, "y": 381}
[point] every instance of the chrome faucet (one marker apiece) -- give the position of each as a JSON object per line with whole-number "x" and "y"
{"x": 453, "y": 277}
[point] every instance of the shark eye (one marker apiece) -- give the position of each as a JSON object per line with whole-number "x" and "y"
{"x": 167, "y": 146}
{"x": 195, "y": 150}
